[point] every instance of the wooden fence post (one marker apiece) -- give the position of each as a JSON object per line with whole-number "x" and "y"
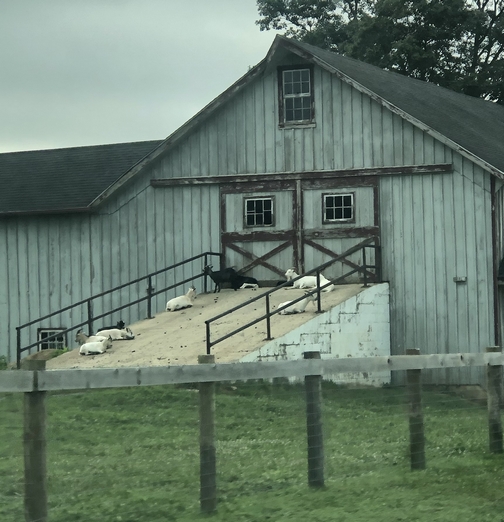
{"x": 208, "y": 467}
{"x": 494, "y": 399}
{"x": 34, "y": 442}
{"x": 313, "y": 389}
{"x": 416, "y": 423}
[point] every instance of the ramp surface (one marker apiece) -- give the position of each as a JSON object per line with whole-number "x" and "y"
{"x": 175, "y": 338}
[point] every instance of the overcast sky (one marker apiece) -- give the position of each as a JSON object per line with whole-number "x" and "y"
{"x": 92, "y": 72}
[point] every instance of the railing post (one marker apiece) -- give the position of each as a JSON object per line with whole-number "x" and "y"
{"x": 18, "y": 347}
{"x": 319, "y": 300}
{"x": 268, "y": 318}
{"x": 364, "y": 266}
{"x": 149, "y": 298}
{"x": 313, "y": 384}
{"x": 208, "y": 345}
{"x": 494, "y": 399}
{"x": 416, "y": 423}
{"x": 208, "y": 461}
{"x": 205, "y": 278}
{"x": 90, "y": 316}
{"x": 34, "y": 441}
{"x": 378, "y": 263}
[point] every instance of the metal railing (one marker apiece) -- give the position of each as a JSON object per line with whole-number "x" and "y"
{"x": 150, "y": 291}
{"x": 372, "y": 242}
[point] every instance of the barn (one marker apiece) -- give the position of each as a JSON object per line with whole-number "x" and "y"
{"x": 308, "y": 154}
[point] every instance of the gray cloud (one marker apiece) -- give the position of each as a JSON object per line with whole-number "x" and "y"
{"x": 85, "y": 72}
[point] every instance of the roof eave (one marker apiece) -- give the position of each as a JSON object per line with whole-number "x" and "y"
{"x": 18, "y": 213}
{"x": 414, "y": 121}
{"x": 187, "y": 127}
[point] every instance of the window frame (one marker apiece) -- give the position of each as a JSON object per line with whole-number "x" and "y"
{"x": 326, "y": 221}
{"x": 282, "y": 122}
{"x": 51, "y": 331}
{"x": 256, "y": 198}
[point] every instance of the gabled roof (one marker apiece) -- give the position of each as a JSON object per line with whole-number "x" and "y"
{"x": 64, "y": 180}
{"x": 471, "y": 125}
{"x": 77, "y": 179}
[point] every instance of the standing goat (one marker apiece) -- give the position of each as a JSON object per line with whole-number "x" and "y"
{"x": 182, "y": 301}
{"x": 298, "y": 307}
{"x": 221, "y": 276}
{"x": 307, "y": 281}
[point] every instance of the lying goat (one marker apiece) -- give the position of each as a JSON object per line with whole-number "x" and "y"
{"x": 96, "y": 347}
{"x": 182, "y": 301}
{"x": 239, "y": 281}
{"x": 298, "y": 307}
{"x": 221, "y": 276}
{"x": 120, "y": 325}
{"x": 81, "y": 337}
{"x": 118, "y": 334}
{"x": 307, "y": 281}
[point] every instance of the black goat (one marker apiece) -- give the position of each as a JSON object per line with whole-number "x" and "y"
{"x": 120, "y": 325}
{"x": 221, "y": 276}
{"x": 238, "y": 280}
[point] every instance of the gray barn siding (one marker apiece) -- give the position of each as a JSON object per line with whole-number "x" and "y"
{"x": 444, "y": 231}
{"x": 499, "y": 250}
{"x": 244, "y": 138}
{"x": 52, "y": 262}
{"x": 152, "y": 228}
{"x": 433, "y": 227}
{"x": 163, "y": 227}
{"x": 43, "y": 272}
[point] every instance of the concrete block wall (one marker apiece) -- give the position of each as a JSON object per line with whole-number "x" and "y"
{"x": 357, "y": 327}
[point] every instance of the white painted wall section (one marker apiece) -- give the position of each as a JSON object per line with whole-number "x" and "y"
{"x": 357, "y": 327}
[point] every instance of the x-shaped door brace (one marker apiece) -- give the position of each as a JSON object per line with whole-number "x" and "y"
{"x": 334, "y": 254}
{"x": 260, "y": 260}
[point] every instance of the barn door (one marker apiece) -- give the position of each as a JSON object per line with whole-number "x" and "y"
{"x": 258, "y": 228}
{"x": 267, "y": 227}
{"x": 338, "y": 214}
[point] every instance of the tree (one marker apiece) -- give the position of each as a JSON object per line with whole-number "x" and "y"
{"x": 458, "y": 44}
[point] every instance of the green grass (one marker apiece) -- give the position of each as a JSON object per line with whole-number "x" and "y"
{"x": 133, "y": 456}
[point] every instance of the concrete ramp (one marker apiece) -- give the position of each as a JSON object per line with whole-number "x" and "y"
{"x": 356, "y": 327}
{"x": 175, "y": 338}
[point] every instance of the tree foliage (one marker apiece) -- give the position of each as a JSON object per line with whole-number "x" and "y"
{"x": 458, "y": 44}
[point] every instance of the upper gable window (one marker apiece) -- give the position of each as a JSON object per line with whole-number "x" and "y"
{"x": 296, "y": 95}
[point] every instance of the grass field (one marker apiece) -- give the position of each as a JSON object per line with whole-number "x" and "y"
{"x": 132, "y": 455}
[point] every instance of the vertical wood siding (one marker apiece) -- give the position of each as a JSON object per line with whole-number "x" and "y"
{"x": 444, "y": 232}
{"x": 432, "y": 227}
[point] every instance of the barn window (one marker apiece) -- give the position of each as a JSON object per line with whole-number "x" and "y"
{"x": 259, "y": 212}
{"x": 296, "y": 95}
{"x": 338, "y": 207}
{"x": 57, "y": 342}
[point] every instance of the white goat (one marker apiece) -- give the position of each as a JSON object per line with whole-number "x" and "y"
{"x": 298, "y": 307}
{"x": 118, "y": 335}
{"x": 81, "y": 337}
{"x": 307, "y": 281}
{"x": 96, "y": 347}
{"x": 182, "y": 301}
{"x": 254, "y": 286}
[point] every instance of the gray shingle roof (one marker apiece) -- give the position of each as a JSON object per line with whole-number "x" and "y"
{"x": 70, "y": 179}
{"x": 472, "y": 123}
{"x": 60, "y": 180}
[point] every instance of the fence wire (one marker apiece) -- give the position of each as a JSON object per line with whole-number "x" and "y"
{"x": 134, "y": 455}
